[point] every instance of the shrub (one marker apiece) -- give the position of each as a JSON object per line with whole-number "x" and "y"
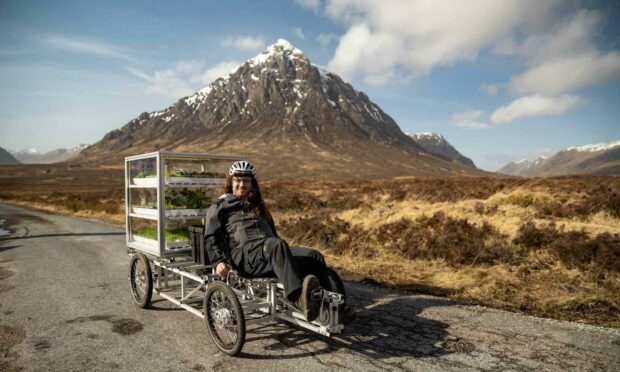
{"x": 573, "y": 248}
{"x": 455, "y": 240}
{"x": 533, "y": 237}
{"x": 321, "y": 230}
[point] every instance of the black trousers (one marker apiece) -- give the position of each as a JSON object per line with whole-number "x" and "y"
{"x": 274, "y": 258}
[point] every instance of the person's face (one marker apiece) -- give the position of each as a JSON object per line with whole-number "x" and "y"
{"x": 241, "y": 185}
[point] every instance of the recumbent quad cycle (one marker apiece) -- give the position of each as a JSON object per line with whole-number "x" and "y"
{"x": 166, "y": 245}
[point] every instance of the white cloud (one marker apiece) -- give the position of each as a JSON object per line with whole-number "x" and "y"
{"x": 560, "y": 60}
{"x": 299, "y": 33}
{"x": 534, "y": 105}
{"x": 187, "y": 77}
{"x": 564, "y": 59}
{"x": 166, "y": 83}
{"x": 571, "y": 36}
{"x": 417, "y": 36}
{"x": 85, "y": 46}
{"x": 490, "y": 89}
{"x": 245, "y": 42}
{"x": 468, "y": 119}
{"x": 568, "y": 74}
{"x": 359, "y": 46}
{"x": 325, "y": 39}
{"x": 309, "y": 4}
{"x": 219, "y": 70}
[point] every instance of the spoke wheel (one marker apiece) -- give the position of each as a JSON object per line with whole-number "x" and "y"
{"x": 224, "y": 318}
{"x": 140, "y": 280}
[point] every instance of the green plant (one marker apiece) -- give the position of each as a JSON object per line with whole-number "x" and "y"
{"x": 176, "y": 234}
{"x": 145, "y": 174}
{"x": 185, "y": 199}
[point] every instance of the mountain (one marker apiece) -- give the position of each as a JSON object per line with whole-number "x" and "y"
{"x": 32, "y": 156}
{"x": 600, "y": 159}
{"x": 6, "y": 158}
{"x": 437, "y": 145}
{"x": 290, "y": 117}
{"x": 523, "y": 167}
{"x": 23, "y": 155}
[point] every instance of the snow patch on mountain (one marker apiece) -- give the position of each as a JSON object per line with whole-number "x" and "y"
{"x": 436, "y": 144}
{"x": 532, "y": 161}
{"x": 603, "y": 146}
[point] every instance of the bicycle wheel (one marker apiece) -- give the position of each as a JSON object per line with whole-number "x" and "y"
{"x": 224, "y": 318}
{"x": 140, "y": 280}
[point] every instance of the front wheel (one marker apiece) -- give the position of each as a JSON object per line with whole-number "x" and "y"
{"x": 224, "y": 318}
{"x": 140, "y": 280}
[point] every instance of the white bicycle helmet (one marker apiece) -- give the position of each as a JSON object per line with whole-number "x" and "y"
{"x": 242, "y": 168}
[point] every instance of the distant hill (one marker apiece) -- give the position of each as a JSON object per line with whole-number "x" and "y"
{"x": 32, "y": 156}
{"x": 436, "y": 144}
{"x": 23, "y": 155}
{"x": 523, "y": 167}
{"x": 6, "y": 158}
{"x": 599, "y": 159}
{"x": 290, "y": 117}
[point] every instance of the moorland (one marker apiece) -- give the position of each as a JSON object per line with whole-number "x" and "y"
{"x": 543, "y": 246}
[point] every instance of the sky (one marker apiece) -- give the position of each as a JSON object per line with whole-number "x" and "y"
{"x": 501, "y": 80}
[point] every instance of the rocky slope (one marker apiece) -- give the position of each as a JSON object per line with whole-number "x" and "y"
{"x": 600, "y": 159}
{"x": 6, "y": 158}
{"x": 437, "y": 145}
{"x": 290, "y": 117}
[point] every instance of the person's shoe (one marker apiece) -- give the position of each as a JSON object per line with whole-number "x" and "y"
{"x": 309, "y": 303}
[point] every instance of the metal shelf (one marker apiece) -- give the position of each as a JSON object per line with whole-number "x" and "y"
{"x": 179, "y": 186}
{"x": 171, "y": 218}
{"x": 161, "y": 163}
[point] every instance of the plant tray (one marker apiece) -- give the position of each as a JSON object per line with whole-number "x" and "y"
{"x": 169, "y": 212}
{"x": 194, "y": 181}
{"x": 152, "y": 181}
{"x": 147, "y": 181}
{"x": 155, "y": 244}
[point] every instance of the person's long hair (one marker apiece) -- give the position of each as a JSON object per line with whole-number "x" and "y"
{"x": 254, "y": 198}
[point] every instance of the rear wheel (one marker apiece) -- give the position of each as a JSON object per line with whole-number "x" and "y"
{"x": 224, "y": 318}
{"x": 336, "y": 285}
{"x": 140, "y": 280}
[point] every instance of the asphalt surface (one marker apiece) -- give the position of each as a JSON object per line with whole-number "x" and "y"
{"x": 65, "y": 305}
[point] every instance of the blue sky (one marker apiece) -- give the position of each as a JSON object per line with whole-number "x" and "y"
{"x": 500, "y": 79}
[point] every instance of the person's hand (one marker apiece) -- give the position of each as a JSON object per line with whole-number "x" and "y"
{"x": 222, "y": 269}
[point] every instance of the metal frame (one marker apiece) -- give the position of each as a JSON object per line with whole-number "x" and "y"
{"x": 261, "y": 299}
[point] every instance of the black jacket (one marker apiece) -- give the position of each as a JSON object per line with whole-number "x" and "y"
{"x": 230, "y": 224}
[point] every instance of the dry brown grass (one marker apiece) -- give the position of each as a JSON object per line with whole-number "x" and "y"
{"x": 548, "y": 247}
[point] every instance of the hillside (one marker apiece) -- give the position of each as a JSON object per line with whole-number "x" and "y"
{"x": 437, "y": 145}
{"x": 6, "y": 158}
{"x": 290, "y": 117}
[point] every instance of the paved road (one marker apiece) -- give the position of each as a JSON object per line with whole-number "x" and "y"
{"x": 65, "y": 305}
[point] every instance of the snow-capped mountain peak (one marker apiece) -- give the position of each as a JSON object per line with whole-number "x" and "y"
{"x": 599, "y": 158}
{"x": 33, "y": 156}
{"x": 603, "y": 146}
{"x": 27, "y": 152}
{"x": 436, "y": 144}
{"x": 532, "y": 161}
{"x": 280, "y": 48}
